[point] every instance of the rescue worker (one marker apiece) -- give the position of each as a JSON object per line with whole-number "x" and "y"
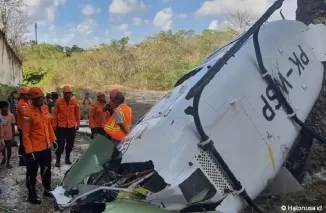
{"x": 113, "y": 93}
{"x": 119, "y": 124}
{"x": 22, "y": 106}
{"x": 110, "y": 106}
{"x": 98, "y": 115}
{"x": 66, "y": 121}
{"x": 87, "y": 102}
{"x": 38, "y": 138}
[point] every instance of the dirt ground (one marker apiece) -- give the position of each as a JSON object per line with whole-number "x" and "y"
{"x": 14, "y": 193}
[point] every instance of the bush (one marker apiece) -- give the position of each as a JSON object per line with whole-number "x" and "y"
{"x": 5, "y": 91}
{"x": 155, "y": 64}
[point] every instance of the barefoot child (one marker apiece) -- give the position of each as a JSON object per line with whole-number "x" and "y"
{"x": 8, "y": 128}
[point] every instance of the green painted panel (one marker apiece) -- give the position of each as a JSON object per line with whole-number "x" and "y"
{"x": 96, "y": 156}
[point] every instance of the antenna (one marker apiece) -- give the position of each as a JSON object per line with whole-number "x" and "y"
{"x": 35, "y": 25}
{"x": 282, "y": 15}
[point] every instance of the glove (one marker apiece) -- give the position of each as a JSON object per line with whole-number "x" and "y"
{"x": 30, "y": 157}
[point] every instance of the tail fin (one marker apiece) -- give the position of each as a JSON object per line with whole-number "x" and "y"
{"x": 316, "y": 37}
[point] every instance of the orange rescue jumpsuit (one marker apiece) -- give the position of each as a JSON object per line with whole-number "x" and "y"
{"x": 22, "y": 108}
{"x": 37, "y": 139}
{"x": 66, "y": 119}
{"x": 98, "y": 117}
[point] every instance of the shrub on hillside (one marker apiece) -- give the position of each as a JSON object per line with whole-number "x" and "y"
{"x": 156, "y": 63}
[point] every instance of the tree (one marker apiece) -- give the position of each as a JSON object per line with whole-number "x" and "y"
{"x": 119, "y": 44}
{"x": 14, "y": 21}
{"x": 75, "y": 48}
{"x": 240, "y": 21}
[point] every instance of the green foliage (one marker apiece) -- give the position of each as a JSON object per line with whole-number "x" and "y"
{"x": 40, "y": 60}
{"x": 156, "y": 63}
{"x": 75, "y": 48}
{"x": 5, "y": 91}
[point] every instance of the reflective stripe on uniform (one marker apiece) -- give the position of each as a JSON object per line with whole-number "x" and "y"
{"x": 26, "y": 119}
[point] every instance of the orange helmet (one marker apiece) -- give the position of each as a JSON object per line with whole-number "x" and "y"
{"x": 99, "y": 94}
{"x": 23, "y": 90}
{"x": 67, "y": 89}
{"x": 36, "y": 92}
{"x": 113, "y": 93}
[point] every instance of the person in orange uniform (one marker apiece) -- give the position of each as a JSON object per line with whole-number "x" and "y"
{"x": 119, "y": 124}
{"x": 113, "y": 93}
{"x": 22, "y": 106}
{"x": 98, "y": 115}
{"x": 66, "y": 121}
{"x": 111, "y": 105}
{"x": 38, "y": 138}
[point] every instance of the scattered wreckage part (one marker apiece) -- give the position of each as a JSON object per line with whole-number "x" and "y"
{"x": 97, "y": 155}
{"x": 84, "y": 188}
{"x": 137, "y": 174}
{"x": 83, "y": 196}
{"x": 133, "y": 186}
{"x": 133, "y": 192}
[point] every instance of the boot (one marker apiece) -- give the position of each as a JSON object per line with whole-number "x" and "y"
{"x": 32, "y": 196}
{"x": 57, "y": 163}
{"x": 68, "y": 159}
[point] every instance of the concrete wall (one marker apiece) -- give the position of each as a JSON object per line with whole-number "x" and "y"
{"x": 11, "y": 71}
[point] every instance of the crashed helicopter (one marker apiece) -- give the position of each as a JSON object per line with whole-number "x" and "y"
{"x": 219, "y": 138}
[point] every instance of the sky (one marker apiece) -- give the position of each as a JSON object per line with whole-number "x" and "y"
{"x": 88, "y": 23}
